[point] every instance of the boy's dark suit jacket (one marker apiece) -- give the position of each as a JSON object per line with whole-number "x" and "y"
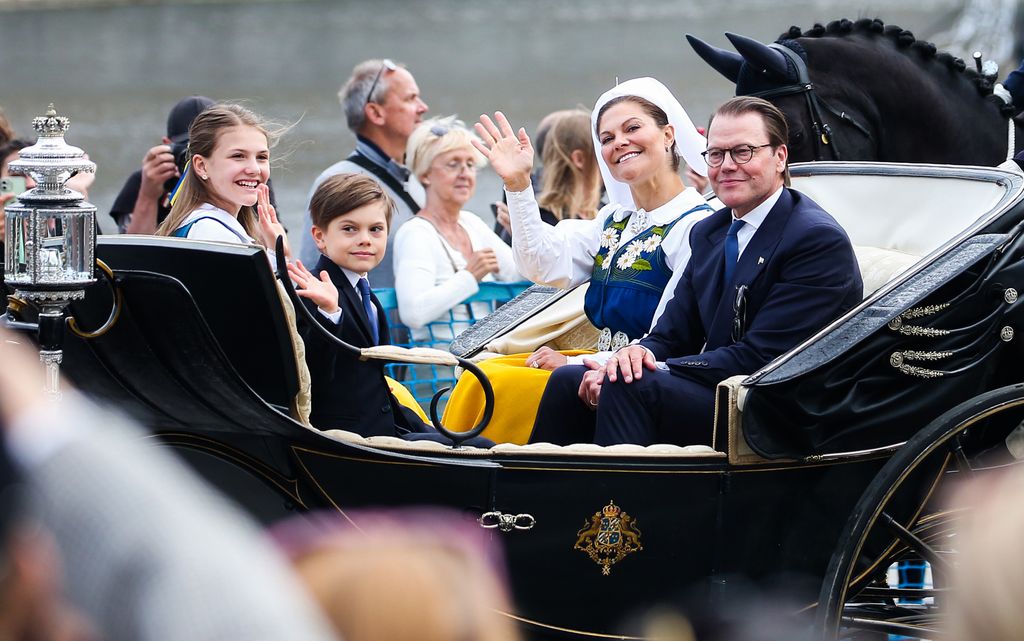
{"x": 348, "y": 393}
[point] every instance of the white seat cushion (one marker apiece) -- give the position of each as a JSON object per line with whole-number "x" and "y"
{"x": 878, "y": 266}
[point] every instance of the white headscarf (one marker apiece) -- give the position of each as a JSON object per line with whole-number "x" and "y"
{"x": 689, "y": 142}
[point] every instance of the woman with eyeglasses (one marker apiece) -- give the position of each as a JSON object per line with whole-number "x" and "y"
{"x": 443, "y": 253}
{"x": 632, "y": 253}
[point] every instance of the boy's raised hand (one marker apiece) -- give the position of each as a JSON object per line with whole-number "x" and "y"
{"x": 269, "y": 224}
{"x": 319, "y": 290}
{"x": 509, "y": 152}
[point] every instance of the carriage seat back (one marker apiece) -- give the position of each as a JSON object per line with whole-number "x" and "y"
{"x": 910, "y": 214}
{"x": 238, "y": 295}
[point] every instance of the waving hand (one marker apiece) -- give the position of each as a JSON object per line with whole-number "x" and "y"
{"x": 510, "y": 153}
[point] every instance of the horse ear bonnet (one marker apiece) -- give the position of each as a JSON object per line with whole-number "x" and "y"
{"x": 757, "y": 68}
{"x": 724, "y": 62}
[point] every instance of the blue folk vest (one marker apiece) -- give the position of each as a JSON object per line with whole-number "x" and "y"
{"x": 628, "y": 280}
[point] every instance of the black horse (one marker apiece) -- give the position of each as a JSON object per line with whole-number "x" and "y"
{"x": 866, "y": 91}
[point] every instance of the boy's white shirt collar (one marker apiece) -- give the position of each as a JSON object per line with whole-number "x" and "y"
{"x": 352, "y": 276}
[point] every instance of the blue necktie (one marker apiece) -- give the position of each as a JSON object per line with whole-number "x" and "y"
{"x": 371, "y": 315}
{"x": 732, "y": 249}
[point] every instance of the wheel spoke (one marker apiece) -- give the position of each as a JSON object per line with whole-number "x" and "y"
{"x": 902, "y": 593}
{"x": 926, "y": 551}
{"x": 892, "y": 627}
{"x": 963, "y": 465}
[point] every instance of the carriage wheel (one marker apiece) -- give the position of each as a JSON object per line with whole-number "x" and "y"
{"x": 901, "y": 516}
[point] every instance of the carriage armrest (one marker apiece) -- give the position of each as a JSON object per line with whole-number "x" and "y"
{"x": 728, "y": 422}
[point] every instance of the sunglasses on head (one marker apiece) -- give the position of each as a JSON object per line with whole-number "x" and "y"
{"x": 386, "y": 63}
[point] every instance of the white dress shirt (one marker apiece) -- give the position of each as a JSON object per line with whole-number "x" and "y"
{"x": 753, "y": 221}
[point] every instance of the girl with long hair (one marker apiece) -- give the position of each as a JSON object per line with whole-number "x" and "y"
{"x": 223, "y": 194}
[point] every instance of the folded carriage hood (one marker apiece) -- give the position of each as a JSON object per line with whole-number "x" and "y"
{"x": 934, "y": 336}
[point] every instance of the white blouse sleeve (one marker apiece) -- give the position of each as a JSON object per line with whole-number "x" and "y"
{"x": 420, "y": 263}
{"x": 561, "y": 255}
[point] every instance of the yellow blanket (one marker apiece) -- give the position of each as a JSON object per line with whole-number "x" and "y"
{"x": 517, "y": 392}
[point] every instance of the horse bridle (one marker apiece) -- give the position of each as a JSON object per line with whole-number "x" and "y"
{"x": 823, "y": 137}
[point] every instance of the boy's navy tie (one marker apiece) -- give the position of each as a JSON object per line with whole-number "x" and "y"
{"x": 732, "y": 249}
{"x": 371, "y": 315}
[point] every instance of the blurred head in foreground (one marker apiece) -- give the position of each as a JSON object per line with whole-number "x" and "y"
{"x": 988, "y": 578}
{"x": 423, "y": 575}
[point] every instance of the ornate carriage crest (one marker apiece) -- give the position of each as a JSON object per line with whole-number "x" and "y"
{"x": 610, "y": 535}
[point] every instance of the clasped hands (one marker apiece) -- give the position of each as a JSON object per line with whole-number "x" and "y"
{"x": 628, "y": 363}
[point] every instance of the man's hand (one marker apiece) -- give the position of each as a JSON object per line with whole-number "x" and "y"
{"x": 157, "y": 168}
{"x": 630, "y": 361}
{"x": 590, "y": 387}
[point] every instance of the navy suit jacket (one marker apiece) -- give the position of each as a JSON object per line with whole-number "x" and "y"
{"x": 800, "y": 272}
{"x": 348, "y": 393}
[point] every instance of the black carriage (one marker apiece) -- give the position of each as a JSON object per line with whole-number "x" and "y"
{"x": 824, "y": 468}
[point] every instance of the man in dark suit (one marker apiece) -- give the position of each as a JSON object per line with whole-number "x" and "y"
{"x": 766, "y": 272}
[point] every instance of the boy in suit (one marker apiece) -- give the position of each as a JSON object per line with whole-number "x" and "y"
{"x": 351, "y": 216}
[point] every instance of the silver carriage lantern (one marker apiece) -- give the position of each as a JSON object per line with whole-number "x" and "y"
{"x": 50, "y": 235}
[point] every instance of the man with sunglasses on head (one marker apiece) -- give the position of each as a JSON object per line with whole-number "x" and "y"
{"x": 766, "y": 272}
{"x": 382, "y": 106}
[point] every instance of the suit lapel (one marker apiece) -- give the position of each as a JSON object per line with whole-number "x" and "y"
{"x": 759, "y": 250}
{"x": 756, "y": 256}
{"x": 348, "y": 294}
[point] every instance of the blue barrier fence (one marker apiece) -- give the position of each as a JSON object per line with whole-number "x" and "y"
{"x": 425, "y": 380}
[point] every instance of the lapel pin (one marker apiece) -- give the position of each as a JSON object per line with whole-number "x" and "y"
{"x": 760, "y": 260}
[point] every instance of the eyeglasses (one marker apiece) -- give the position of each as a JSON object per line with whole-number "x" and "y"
{"x": 440, "y": 130}
{"x": 456, "y": 167}
{"x": 741, "y": 154}
{"x": 739, "y": 313}
{"x": 386, "y": 63}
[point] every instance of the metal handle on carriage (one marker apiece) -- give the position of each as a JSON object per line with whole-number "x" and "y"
{"x": 115, "y": 310}
{"x": 395, "y": 354}
{"x": 506, "y": 522}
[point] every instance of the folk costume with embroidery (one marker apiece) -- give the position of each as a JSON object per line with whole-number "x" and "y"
{"x": 632, "y": 258}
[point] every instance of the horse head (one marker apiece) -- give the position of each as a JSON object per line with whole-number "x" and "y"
{"x": 823, "y": 125}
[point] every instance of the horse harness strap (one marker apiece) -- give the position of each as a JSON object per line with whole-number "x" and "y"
{"x": 822, "y": 130}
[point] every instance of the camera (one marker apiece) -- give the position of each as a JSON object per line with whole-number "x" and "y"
{"x": 180, "y": 152}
